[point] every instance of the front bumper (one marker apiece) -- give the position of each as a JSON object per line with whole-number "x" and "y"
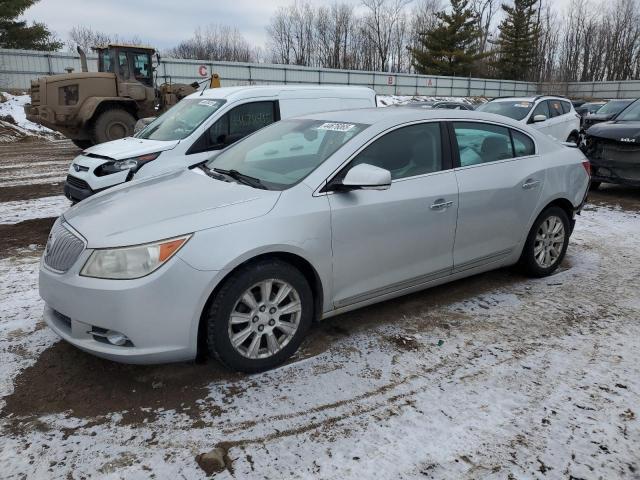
{"x": 159, "y": 313}
{"x": 82, "y": 182}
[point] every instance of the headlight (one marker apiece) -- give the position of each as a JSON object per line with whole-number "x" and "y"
{"x": 133, "y": 163}
{"x": 131, "y": 262}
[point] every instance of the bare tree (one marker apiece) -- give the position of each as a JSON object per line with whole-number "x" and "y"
{"x": 380, "y": 22}
{"x": 87, "y": 38}
{"x": 216, "y": 42}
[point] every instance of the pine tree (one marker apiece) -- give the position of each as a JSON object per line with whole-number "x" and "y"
{"x": 451, "y": 48}
{"x": 17, "y": 34}
{"x": 518, "y": 40}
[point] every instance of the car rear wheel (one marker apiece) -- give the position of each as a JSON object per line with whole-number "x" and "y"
{"x": 547, "y": 243}
{"x": 259, "y": 317}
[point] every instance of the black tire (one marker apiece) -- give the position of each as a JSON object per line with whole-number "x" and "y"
{"x": 528, "y": 261}
{"x": 113, "y": 124}
{"x": 594, "y": 185}
{"x": 82, "y": 143}
{"x": 217, "y": 317}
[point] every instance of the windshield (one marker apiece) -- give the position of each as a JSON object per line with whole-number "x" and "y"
{"x": 614, "y": 106}
{"x": 181, "y": 120}
{"x": 515, "y": 109}
{"x": 631, "y": 114}
{"x": 284, "y": 153}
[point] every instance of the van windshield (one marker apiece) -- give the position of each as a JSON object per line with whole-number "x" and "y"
{"x": 181, "y": 120}
{"x": 284, "y": 153}
{"x": 516, "y": 109}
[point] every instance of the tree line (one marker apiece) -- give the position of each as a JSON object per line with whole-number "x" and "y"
{"x": 533, "y": 40}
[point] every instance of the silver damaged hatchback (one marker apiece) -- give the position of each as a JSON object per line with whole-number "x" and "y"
{"x": 303, "y": 220}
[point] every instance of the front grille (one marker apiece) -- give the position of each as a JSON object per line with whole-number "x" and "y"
{"x": 63, "y": 248}
{"x": 77, "y": 182}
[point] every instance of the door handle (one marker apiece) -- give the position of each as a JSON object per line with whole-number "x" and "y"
{"x": 529, "y": 184}
{"x": 440, "y": 204}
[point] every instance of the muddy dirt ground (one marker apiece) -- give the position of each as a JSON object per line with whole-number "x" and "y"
{"x": 495, "y": 376}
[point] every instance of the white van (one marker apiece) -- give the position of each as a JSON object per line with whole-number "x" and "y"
{"x": 201, "y": 124}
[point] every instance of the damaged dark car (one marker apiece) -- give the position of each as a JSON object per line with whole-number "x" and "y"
{"x": 613, "y": 148}
{"x": 607, "y": 112}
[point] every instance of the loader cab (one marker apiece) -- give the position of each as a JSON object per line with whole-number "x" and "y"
{"x": 129, "y": 63}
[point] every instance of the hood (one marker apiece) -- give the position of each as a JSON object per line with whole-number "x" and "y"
{"x": 619, "y": 131}
{"x": 599, "y": 117}
{"x": 130, "y": 147}
{"x": 166, "y": 206}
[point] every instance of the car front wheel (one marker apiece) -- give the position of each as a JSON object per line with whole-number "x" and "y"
{"x": 260, "y": 316}
{"x": 547, "y": 243}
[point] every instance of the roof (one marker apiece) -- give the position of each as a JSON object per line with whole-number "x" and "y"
{"x": 249, "y": 91}
{"x": 393, "y": 116}
{"x": 528, "y": 99}
{"x": 123, "y": 45}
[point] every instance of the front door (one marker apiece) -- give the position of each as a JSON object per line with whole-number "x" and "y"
{"x": 385, "y": 241}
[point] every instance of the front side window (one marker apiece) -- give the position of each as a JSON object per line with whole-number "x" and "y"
{"x": 541, "y": 109}
{"x": 181, "y": 120}
{"x": 142, "y": 67}
{"x": 282, "y": 154}
{"x": 515, "y": 109}
{"x": 123, "y": 66}
{"x": 236, "y": 124}
{"x": 566, "y": 107}
{"x": 405, "y": 152}
{"x": 482, "y": 142}
{"x": 555, "y": 108}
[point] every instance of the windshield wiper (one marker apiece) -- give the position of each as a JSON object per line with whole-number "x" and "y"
{"x": 211, "y": 173}
{"x": 242, "y": 178}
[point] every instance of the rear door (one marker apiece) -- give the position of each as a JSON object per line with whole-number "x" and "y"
{"x": 500, "y": 181}
{"x": 390, "y": 240}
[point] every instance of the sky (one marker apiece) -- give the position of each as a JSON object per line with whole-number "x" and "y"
{"x": 160, "y": 23}
{"x": 164, "y": 23}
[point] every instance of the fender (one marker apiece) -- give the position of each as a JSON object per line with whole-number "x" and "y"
{"x": 89, "y": 107}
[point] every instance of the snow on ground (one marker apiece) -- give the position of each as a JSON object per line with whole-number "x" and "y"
{"x": 17, "y": 127}
{"x": 14, "y": 106}
{"x": 493, "y": 377}
{"x": 43, "y": 207}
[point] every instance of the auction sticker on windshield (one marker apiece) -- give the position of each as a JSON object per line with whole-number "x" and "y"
{"x": 208, "y": 103}
{"x": 522, "y": 104}
{"x": 336, "y": 127}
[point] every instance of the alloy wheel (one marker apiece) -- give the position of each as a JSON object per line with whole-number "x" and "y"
{"x": 264, "y": 319}
{"x": 549, "y": 241}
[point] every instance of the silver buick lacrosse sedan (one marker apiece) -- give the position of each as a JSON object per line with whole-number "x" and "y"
{"x": 303, "y": 220}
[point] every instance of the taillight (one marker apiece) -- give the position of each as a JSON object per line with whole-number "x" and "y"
{"x": 587, "y": 166}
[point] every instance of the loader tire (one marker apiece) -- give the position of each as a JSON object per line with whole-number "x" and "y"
{"x": 113, "y": 124}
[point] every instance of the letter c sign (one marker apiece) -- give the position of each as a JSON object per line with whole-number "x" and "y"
{"x": 202, "y": 70}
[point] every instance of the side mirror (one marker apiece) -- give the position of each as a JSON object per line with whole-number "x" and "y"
{"x": 539, "y": 118}
{"x": 366, "y": 177}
